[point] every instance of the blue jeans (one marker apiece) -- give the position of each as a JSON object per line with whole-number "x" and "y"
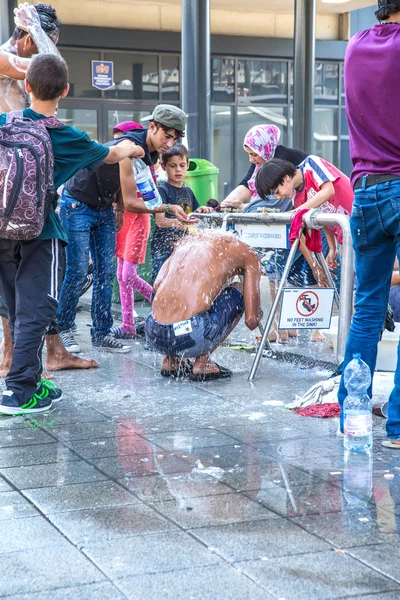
{"x": 375, "y": 230}
{"x": 94, "y": 231}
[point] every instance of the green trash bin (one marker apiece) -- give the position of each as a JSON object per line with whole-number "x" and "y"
{"x": 202, "y": 178}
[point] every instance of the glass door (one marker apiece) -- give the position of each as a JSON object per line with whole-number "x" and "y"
{"x": 116, "y": 113}
{"x": 82, "y": 115}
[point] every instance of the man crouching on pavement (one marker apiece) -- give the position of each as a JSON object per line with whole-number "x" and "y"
{"x": 195, "y": 307}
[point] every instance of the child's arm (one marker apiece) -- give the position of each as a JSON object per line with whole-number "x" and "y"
{"x": 314, "y": 265}
{"x": 163, "y": 221}
{"x": 326, "y": 192}
{"x": 333, "y": 252}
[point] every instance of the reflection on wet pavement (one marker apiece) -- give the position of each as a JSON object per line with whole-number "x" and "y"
{"x": 141, "y": 487}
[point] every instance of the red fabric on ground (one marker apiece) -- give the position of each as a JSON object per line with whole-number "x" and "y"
{"x": 330, "y": 409}
{"x": 313, "y": 236}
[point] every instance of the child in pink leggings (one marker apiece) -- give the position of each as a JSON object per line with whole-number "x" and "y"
{"x": 128, "y": 279}
{"x": 131, "y": 252}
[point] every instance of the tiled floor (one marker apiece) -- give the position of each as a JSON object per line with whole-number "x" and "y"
{"x": 147, "y": 488}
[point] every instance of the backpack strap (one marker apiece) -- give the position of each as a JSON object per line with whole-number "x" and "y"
{"x": 14, "y": 114}
{"x": 52, "y": 123}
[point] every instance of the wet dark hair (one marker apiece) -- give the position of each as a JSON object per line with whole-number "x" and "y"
{"x": 177, "y": 150}
{"x": 212, "y": 203}
{"x": 271, "y": 175}
{"x": 166, "y": 129}
{"x": 48, "y": 20}
{"x": 47, "y": 75}
{"x": 387, "y": 8}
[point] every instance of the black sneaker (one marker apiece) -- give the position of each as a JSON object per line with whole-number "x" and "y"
{"x": 10, "y": 405}
{"x": 69, "y": 341}
{"x": 110, "y": 344}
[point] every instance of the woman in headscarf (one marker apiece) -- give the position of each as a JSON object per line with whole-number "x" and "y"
{"x": 261, "y": 144}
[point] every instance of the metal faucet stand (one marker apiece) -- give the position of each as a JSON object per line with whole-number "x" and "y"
{"x": 314, "y": 219}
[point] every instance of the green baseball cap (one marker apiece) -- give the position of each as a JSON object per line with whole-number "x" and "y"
{"x": 169, "y": 115}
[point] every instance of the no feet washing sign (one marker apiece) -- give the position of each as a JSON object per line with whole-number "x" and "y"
{"x": 306, "y": 308}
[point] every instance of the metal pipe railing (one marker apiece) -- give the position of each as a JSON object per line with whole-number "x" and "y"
{"x": 313, "y": 219}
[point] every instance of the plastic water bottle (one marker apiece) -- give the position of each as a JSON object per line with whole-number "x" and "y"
{"x": 145, "y": 184}
{"x": 357, "y": 406}
{"x": 357, "y": 479}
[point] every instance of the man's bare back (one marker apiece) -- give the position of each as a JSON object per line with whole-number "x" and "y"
{"x": 198, "y": 270}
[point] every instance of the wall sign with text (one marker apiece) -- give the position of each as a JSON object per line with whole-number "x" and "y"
{"x": 102, "y": 74}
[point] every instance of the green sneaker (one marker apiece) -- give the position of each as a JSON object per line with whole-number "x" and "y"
{"x": 11, "y": 405}
{"x": 54, "y": 393}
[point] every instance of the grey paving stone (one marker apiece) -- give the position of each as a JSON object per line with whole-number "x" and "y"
{"x": 34, "y": 455}
{"x": 311, "y": 499}
{"x": 254, "y": 433}
{"x": 223, "y": 457}
{"x": 79, "y": 496}
{"x": 57, "y": 565}
{"x": 4, "y": 486}
{"x": 95, "y": 591}
{"x": 384, "y": 558}
{"x": 316, "y": 576}
{"x": 69, "y": 413}
{"x": 13, "y": 506}
{"x": 259, "y": 539}
{"x": 185, "y": 441}
{"x": 105, "y": 447}
{"x": 123, "y": 557}
{"x": 156, "y": 488}
{"x": 211, "y": 510}
{"x": 23, "y": 437}
{"x": 81, "y": 526}
{"x": 267, "y": 474}
{"x": 206, "y": 583}
{"x": 353, "y": 527}
{"x": 27, "y": 533}
{"x": 161, "y": 462}
{"x": 84, "y": 431}
{"x": 52, "y": 474}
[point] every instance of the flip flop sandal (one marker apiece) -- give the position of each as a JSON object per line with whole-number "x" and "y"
{"x": 119, "y": 335}
{"x": 389, "y": 444}
{"x": 223, "y": 373}
{"x": 184, "y": 370}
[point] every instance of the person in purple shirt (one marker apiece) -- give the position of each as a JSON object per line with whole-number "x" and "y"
{"x": 372, "y": 90}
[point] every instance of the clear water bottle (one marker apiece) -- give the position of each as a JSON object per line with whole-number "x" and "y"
{"x": 357, "y": 479}
{"x": 145, "y": 184}
{"x": 357, "y": 406}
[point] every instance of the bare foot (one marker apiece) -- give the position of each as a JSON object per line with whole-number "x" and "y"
{"x": 58, "y": 358}
{"x": 46, "y": 375}
{"x": 293, "y": 333}
{"x": 203, "y": 365}
{"x": 317, "y": 336}
{"x": 69, "y": 361}
{"x": 170, "y": 363}
{"x": 282, "y": 336}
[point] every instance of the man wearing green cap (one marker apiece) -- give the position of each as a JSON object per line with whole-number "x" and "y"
{"x": 87, "y": 214}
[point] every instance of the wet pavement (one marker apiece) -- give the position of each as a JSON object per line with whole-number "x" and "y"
{"x": 141, "y": 487}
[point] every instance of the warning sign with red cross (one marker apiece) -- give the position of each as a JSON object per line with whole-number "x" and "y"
{"x": 306, "y": 308}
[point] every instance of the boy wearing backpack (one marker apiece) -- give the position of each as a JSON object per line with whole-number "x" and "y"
{"x": 37, "y": 155}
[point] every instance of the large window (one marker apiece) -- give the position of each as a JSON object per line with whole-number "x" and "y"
{"x": 135, "y": 76}
{"x": 244, "y": 92}
{"x": 80, "y": 72}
